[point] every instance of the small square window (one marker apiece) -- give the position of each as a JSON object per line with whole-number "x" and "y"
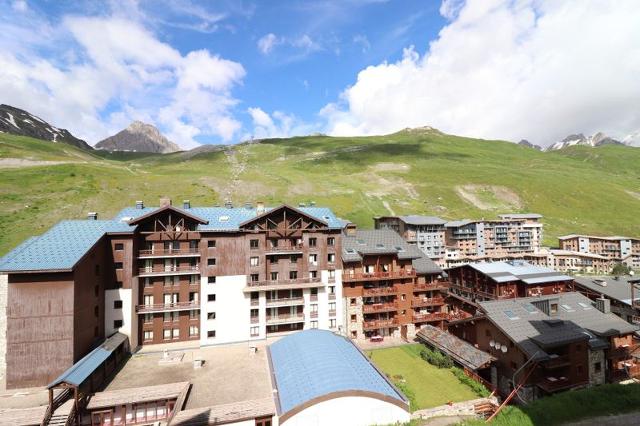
{"x": 117, "y": 323}
{"x": 211, "y": 243}
{"x": 211, "y": 334}
{"x": 211, "y": 280}
{"x": 253, "y": 244}
{"x": 118, "y": 246}
{"x": 118, "y": 265}
{"x": 253, "y": 261}
{"x": 255, "y": 277}
{"x": 211, "y": 315}
{"x": 117, "y": 304}
{"x": 211, "y": 261}
{"x": 211, "y": 297}
{"x": 331, "y": 241}
{"x": 313, "y": 242}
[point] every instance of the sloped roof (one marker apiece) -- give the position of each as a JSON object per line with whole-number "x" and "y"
{"x": 225, "y": 413}
{"x": 186, "y": 213}
{"x": 518, "y": 270}
{"x": 315, "y": 363}
{"x": 61, "y": 247}
{"x": 618, "y": 289}
{"x": 230, "y": 219}
{"x": 463, "y": 352}
{"x": 81, "y": 370}
{"x": 422, "y": 220}
{"x": 117, "y": 397}
{"x": 596, "y": 237}
{"x": 520, "y": 216}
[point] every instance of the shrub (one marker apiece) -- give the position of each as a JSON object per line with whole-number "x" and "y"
{"x": 409, "y": 393}
{"x": 436, "y": 358}
{"x": 475, "y": 386}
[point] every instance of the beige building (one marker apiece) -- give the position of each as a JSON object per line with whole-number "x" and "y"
{"x": 615, "y": 248}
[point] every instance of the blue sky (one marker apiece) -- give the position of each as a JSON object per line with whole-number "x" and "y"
{"x": 225, "y": 71}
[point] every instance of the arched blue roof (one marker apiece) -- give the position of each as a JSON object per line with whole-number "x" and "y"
{"x": 313, "y": 363}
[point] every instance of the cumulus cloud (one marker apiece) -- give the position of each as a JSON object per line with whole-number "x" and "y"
{"x": 267, "y": 42}
{"x": 276, "y": 125}
{"x": 114, "y": 70}
{"x": 508, "y": 69}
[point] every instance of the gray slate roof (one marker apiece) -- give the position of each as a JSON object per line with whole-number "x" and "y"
{"x": 521, "y": 216}
{"x": 619, "y": 289}
{"x": 463, "y": 352}
{"x": 422, "y": 220}
{"x": 535, "y": 332}
{"x": 385, "y": 241}
{"x": 518, "y": 270}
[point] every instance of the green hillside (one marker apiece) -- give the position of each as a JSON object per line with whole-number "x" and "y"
{"x": 595, "y": 190}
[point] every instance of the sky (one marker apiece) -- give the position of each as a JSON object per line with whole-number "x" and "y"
{"x": 227, "y": 71}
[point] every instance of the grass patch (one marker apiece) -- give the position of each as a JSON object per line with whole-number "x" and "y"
{"x": 424, "y": 385}
{"x": 570, "y": 406}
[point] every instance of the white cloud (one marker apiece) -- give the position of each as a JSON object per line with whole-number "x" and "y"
{"x": 362, "y": 41}
{"x": 534, "y": 69}
{"x": 115, "y": 65}
{"x": 276, "y": 125}
{"x": 267, "y": 43}
{"x": 20, "y": 5}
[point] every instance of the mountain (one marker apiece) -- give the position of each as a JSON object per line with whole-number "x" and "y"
{"x": 19, "y": 122}
{"x": 528, "y": 144}
{"x": 597, "y": 139}
{"x": 632, "y": 139}
{"x": 139, "y": 137}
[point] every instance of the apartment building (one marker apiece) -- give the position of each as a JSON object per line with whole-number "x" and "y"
{"x": 615, "y": 248}
{"x": 167, "y": 274}
{"x": 575, "y": 262}
{"x": 390, "y": 287}
{"x": 552, "y": 343}
{"x": 454, "y": 243}
{"x": 623, "y": 294}
{"x": 476, "y": 282}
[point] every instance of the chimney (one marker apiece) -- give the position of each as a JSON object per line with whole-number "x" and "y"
{"x": 186, "y": 204}
{"x": 351, "y": 229}
{"x": 164, "y": 202}
{"x": 228, "y": 204}
{"x": 92, "y": 216}
{"x": 248, "y": 206}
{"x": 302, "y": 205}
{"x": 312, "y": 203}
{"x": 140, "y": 205}
{"x": 603, "y": 305}
{"x": 260, "y": 207}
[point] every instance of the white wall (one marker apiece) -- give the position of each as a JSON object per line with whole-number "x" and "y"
{"x": 232, "y": 308}
{"x": 349, "y": 411}
{"x": 4, "y": 288}
{"x": 125, "y": 314}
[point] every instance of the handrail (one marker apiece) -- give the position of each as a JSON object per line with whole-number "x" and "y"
{"x": 283, "y": 282}
{"x": 163, "y": 268}
{"x": 167, "y": 252}
{"x": 167, "y": 306}
{"x": 379, "y": 275}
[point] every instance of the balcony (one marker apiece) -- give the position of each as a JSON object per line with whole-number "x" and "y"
{"x": 158, "y": 253}
{"x": 254, "y": 320}
{"x": 282, "y": 284}
{"x": 373, "y": 276}
{"x": 379, "y": 291}
{"x": 332, "y": 313}
{"x": 438, "y": 285}
{"x": 374, "y": 325}
{"x": 559, "y": 361}
{"x": 379, "y": 307}
{"x": 631, "y": 370}
{"x": 163, "y": 270}
{"x": 623, "y": 351}
{"x": 434, "y": 316}
{"x": 168, "y": 307}
{"x": 285, "y": 249}
{"x": 285, "y": 319}
{"x": 555, "y": 384}
{"x": 285, "y": 301}
{"x": 427, "y": 301}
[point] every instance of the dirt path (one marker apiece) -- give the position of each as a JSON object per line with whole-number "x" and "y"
{"x": 17, "y": 163}
{"x": 237, "y": 158}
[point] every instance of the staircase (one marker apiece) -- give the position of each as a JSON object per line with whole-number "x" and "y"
{"x": 485, "y": 409}
{"x": 64, "y": 414}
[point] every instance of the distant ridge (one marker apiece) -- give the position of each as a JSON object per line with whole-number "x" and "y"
{"x": 139, "y": 137}
{"x": 19, "y": 122}
{"x": 597, "y": 139}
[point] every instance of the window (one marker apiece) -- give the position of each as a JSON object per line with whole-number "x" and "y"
{"x": 274, "y": 276}
{"x": 96, "y": 311}
{"x": 354, "y": 334}
{"x": 211, "y": 334}
{"x": 118, "y": 246}
{"x": 211, "y": 297}
{"x": 294, "y": 259}
{"x": 332, "y": 323}
{"x": 211, "y": 315}
{"x": 353, "y": 318}
{"x": 148, "y": 318}
{"x": 553, "y": 309}
{"x": 211, "y": 243}
{"x": 171, "y": 281}
{"x": 332, "y": 273}
{"x": 148, "y": 335}
{"x": 273, "y": 260}
{"x": 147, "y": 282}
{"x": 254, "y": 261}
{"x": 118, "y": 265}
{"x": 193, "y": 314}
{"x": 511, "y": 315}
{"x": 169, "y": 317}
{"x": 117, "y": 324}
{"x": 254, "y": 331}
{"x": 331, "y": 241}
{"x": 253, "y": 244}
{"x": 293, "y": 275}
{"x": 313, "y": 274}
{"x": 314, "y": 308}
{"x": 332, "y": 306}
{"x": 314, "y": 324}
{"x": 176, "y": 333}
{"x": 597, "y": 367}
{"x": 97, "y": 270}
{"x": 193, "y": 330}
{"x": 166, "y": 333}
{"x": 331, "y": 257}
{"x": 332, "y": 289}
{"x": 211, "y": 280}
{"x": 313, "y": 242}
{"x": 193, "y": 296}
{"x": 352, "y": 301}
{"x": 117, "y": 304}
{"x": 255, "y": 277}
{"x": 211, "y": 261}
{"x": 96, "y": 290}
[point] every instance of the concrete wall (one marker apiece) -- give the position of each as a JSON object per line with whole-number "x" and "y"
{"x": 4, "y": 288}
{"x": 352, "y": 411}
{"x": 125, "y": 313}
{"x": 232, "y": 308}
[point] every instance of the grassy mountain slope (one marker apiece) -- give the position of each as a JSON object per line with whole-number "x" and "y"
{"x": 581, "y": 189}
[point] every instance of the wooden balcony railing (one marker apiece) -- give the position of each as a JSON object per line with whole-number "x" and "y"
{"x": 285, "y": 301}
{"x": 427, "y": 301}
{"x": 434, "y": 316}
{"x": 558, "y": 362}
{"x": 458, "y": 315}
{"x": 168, "y": 270}
{"x": 554, "y": 384}
{"x": 628, "y": 372}
{"x": 169, "y": 252}
{"x": 378, "y": 291}
{"x": 379, "y": 307}
{"x": 624, "y": 351}
{"x": 369, "y": 276}
{"x": 283, "y": 282}
{"x": 283, "y": 319}
{"x": 166, "y": 307}
{"x": 284, "y": 249}
{"x": 438, "y": 285}
{"x": 372, "y": 325}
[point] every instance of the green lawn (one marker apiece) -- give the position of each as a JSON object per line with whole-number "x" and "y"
{"x": 430, "y": 385}
{"x": 570, "y": 406}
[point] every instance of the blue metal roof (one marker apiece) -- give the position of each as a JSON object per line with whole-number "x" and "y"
{"x": 229, "y": 219}
{"x": 60, "y": 247}
{"x": 81, "y": 370}
{"x": 312, "y": 363}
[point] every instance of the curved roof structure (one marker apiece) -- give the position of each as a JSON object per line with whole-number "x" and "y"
{"x": 312, "y": 365}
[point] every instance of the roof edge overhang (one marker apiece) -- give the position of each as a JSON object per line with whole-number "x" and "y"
{"x": 280, "y": 207}
{"x": 146, "y": 216}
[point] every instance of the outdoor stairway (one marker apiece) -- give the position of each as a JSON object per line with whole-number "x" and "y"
{"x": 61, "y": 416}
{"x": 485, "y": 409}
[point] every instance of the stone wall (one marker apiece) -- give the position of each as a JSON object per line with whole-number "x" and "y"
{"x": 4, "y": 286}
{"x": 596, "y": 377}
{"x": 465, "y": 408}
